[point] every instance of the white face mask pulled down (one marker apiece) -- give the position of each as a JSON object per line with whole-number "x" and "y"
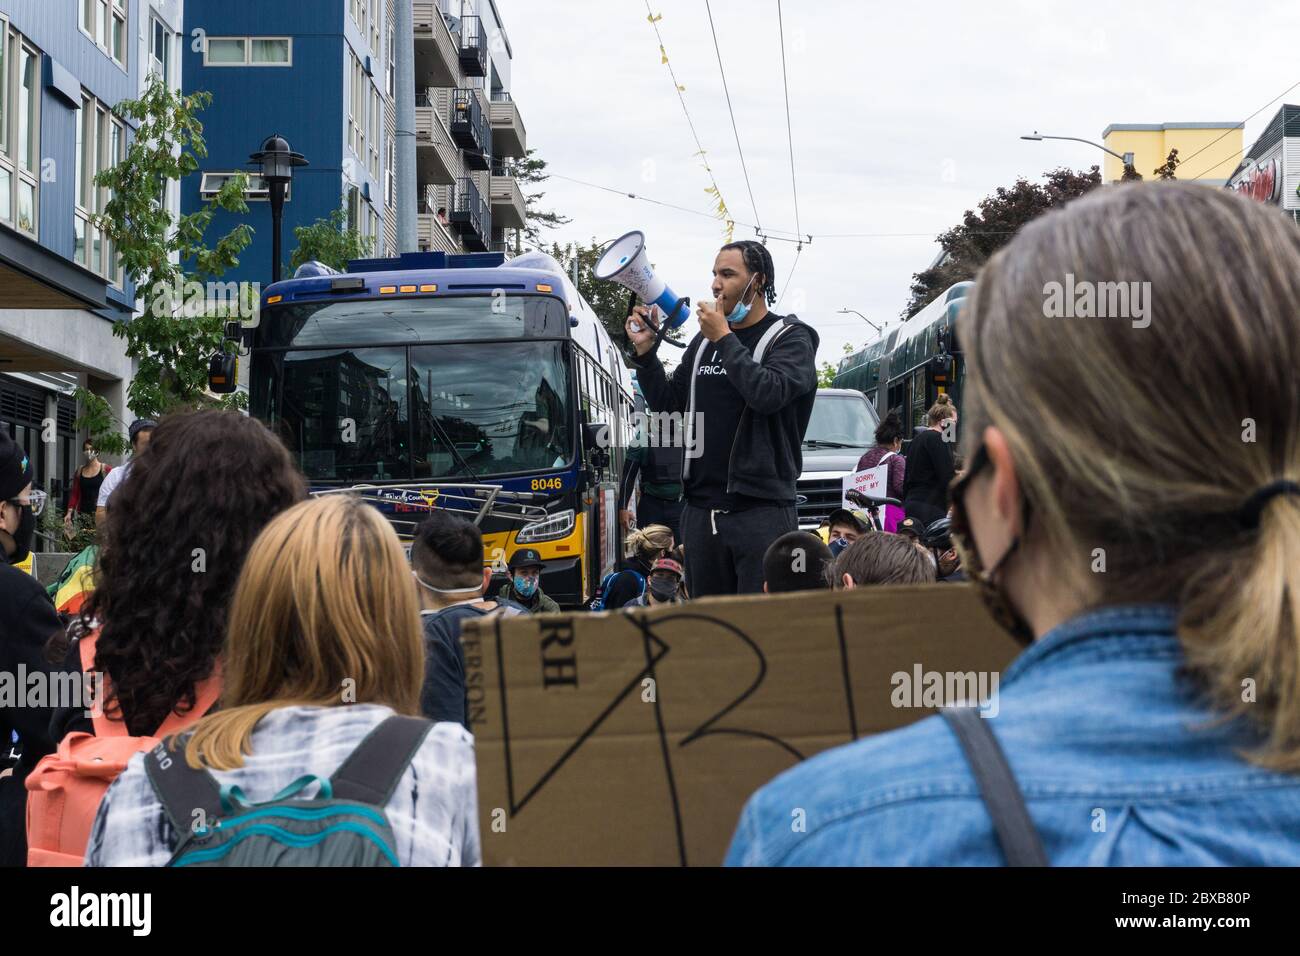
{"x": 477, "y": 593}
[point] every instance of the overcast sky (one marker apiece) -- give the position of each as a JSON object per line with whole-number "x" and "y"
{"x": 904, "y": 115}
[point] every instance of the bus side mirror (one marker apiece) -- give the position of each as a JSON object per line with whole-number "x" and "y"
{"x": 595, "y": 440}
{"x": 223, "y": 373}
{"x": 591, "y": 432}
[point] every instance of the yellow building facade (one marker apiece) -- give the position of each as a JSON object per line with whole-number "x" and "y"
{"x": 1210, "y": 151}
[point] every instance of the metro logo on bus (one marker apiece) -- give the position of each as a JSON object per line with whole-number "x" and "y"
{"x": 404, "y": 499}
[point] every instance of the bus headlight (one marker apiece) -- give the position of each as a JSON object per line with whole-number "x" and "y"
{"x": 559, "y": 525}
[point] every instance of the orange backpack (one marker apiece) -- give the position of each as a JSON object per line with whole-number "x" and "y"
{"x": 66, "y": 787}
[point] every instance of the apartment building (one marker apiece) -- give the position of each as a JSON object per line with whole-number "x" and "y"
{"x": 63, "y": 66}
{"x": 468, "y": 128}
{"x": 327, "y": 85}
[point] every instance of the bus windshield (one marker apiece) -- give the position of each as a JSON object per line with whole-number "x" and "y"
{"x": 419, "y": 411}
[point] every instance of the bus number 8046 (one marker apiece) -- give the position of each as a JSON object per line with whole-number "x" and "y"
{"x": 543, "y": 484}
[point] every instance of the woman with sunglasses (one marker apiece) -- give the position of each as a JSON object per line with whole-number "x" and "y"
{"x": 27, "y": 620}
{"x": 1151, "y": 568}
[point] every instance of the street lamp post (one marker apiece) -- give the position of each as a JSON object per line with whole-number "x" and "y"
{"x": 1126, "y": 159}
{"x": 277, "y": 162}
{"x": 863, "y": 318}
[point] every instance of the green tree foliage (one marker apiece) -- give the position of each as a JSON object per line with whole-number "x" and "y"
{"x": 982, "y": 232}
{"x": 330, "y": 240}
{"x": 171, "y": 345}
{"x": 531, "y": 171}
{"x": 826, "y": 372}
{"x": 98, "y": 419}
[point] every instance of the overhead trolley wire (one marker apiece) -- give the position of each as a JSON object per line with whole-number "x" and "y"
{"x": 739, "y": 149}
{"x": 714, "y": 190}
{"x": 788, "y": 130}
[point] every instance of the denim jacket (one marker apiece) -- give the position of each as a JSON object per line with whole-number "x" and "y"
{"x": 1119, "y": 763}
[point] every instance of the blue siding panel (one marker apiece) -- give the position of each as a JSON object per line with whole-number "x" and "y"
{"x": 304, "y": 103}
{"x": 70, "y": 59}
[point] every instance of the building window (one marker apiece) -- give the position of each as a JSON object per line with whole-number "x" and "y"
{"x": 372, "y": 136}
{"x": 256, "y": 188}
{"x": 20, "y": 129}
{"x": 356, "y": 105}
{"x": 160, "y": 47}
{"x": 389, "y": 171}
{"x": 389, "y": 60}
{"x": 104, "y": 21}
{"x": 354, "y": 208}
{"x": 101, "y": 145}
{"x": 248, "y": 51}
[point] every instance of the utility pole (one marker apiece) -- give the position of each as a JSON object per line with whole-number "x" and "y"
{"x": 404, "y": 106}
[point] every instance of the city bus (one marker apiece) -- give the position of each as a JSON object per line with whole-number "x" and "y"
{"x": 907, "y": 367}
{"x": 457, "y": 382}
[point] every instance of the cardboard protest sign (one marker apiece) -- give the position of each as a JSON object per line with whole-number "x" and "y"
{"x": 634, "y": 737}
{"x": 872, "y": 482}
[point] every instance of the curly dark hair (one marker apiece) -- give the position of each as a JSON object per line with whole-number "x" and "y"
{"x": 758, "y": 260}
{"x": 208, "y": 480}
{"x": 889, "y": 430}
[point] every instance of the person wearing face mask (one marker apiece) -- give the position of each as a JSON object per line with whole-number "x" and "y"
{"x": 27, "y": 620}
{"x": 664, "y": 586}
{"x": 452, "y": 581}
{"x": 525, "y": 585}
{"x": 888, "y": 451}
{"x": 745, "y": 387}
{"x": 1154, "y": 588}
{"x": 643, "y": 547}
{"x": 140, "y": 434}
{"x": 86, "y": 483}
{"x": 845, "y": 528}
{"x": 930, "y": 465}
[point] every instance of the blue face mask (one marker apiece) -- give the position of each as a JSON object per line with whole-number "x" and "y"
{"x": 741, "y": 311}
{"x": 838, "y": 545}
{"x": 525, "y": 586}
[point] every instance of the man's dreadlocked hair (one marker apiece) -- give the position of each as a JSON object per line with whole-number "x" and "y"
{"x": 758, "y": 259}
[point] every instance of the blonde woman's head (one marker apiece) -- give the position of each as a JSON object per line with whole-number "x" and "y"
{"x": 942, "y": 410}
{"x": 324, "y": 614}
{"x": 1131, "y": 376}
{"x": 651, "y": 542}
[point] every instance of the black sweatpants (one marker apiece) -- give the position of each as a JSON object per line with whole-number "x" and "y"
{"x": 724, "y": 549}
{"x": 651, "y": 510}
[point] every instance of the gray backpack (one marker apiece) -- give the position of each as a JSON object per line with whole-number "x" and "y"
{"x": 344, "y": 824}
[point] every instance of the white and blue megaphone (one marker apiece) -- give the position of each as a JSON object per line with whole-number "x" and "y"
{"x": 625, "y": 262}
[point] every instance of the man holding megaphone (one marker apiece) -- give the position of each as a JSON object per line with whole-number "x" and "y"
{"x": 745, "y": 388}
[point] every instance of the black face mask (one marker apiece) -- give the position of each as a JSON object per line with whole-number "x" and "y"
{"x": 991, "y": 593}
{"x": 22, "y": 538}
{"x": 663, "y": 592}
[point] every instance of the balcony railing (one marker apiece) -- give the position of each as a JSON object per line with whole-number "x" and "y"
{"x": 470, "y": 128}
{"x": 437, "y": 52}
{"x": 470, "y": 215}
{"x": 433, "y": 236}
{"x": 473, "y": 47}
{"x": 501, "y": 96}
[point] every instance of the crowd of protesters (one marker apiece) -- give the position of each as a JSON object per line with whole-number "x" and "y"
{"x": 253, "y": 640}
